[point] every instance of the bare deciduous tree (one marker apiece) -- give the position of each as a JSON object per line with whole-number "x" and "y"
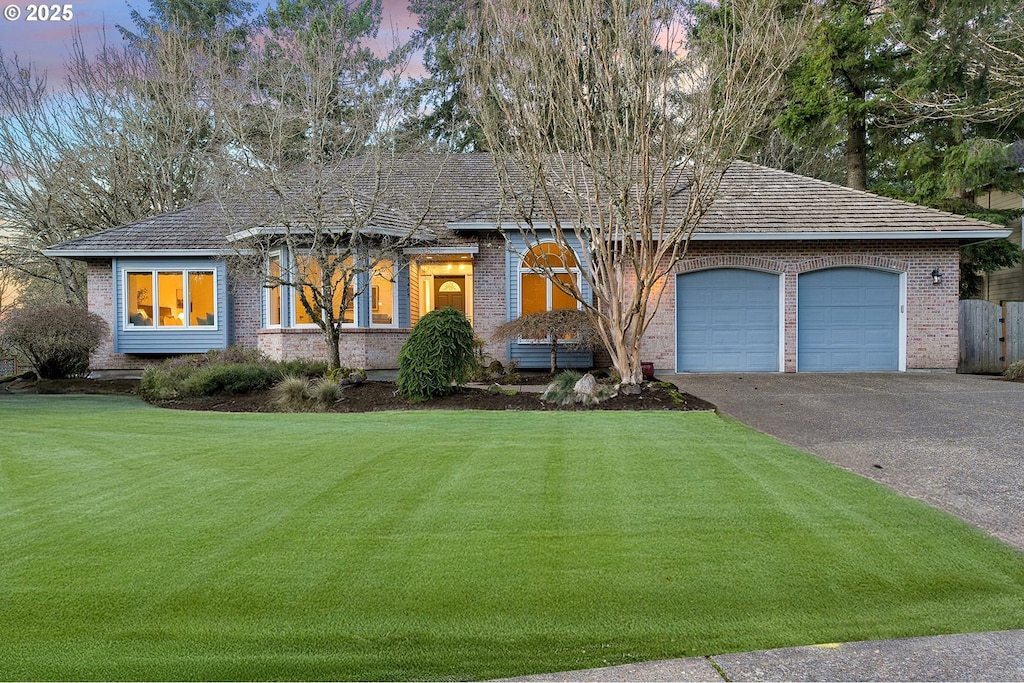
{"x": 125, "y": 136}
{"x": 612, "y": 128}
{"x": 310, "y": 114}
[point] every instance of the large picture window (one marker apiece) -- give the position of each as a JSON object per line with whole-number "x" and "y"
{"x": 308, "y": 272}
{"x": 170, "y": 298}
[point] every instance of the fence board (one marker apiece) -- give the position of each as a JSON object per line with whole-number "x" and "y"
{"x": 980, "y": 329}
{"x": 1013, "y": 330}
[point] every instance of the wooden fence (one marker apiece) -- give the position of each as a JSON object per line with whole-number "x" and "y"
{"x": 991, "y": 336}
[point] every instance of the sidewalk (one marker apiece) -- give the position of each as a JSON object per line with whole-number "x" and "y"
{"x": 994, "y": 656}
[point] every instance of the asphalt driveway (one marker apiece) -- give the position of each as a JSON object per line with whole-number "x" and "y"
{"x": 954, "y": 441}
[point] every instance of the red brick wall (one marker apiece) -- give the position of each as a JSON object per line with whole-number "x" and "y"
{"x": 368, "y": 349}
{"x": 932, "y": 313}
{"x": 245, "y": 300}
{"x": 489, "y": 294}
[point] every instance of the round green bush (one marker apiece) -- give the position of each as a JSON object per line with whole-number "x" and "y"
{"x": 437, "y": 355}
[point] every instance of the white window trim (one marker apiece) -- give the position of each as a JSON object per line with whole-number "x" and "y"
{"x": 394, "y": 300}
{"x": 279, "y": 289}
{"x": 126, "y": 325}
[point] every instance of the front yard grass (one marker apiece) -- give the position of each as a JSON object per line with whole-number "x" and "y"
{"x": 140, "y": 543}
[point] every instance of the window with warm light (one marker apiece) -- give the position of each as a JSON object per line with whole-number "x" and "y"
{"x": 274, "y": 291}
{"x": 547, "y": 274}
{"x": 308, "y": 271}
{"x": 382, "y": 295}
{"x": 170, "y": 298}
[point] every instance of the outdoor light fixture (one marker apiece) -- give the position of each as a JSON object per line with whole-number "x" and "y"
{"x": 936, "y": 277}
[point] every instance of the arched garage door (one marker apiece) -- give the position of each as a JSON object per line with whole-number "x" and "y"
{"x": 727, "y": 320}
{"x": 848, "y": 320}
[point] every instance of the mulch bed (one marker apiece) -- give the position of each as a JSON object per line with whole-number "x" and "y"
{"x": 376, "y": 396}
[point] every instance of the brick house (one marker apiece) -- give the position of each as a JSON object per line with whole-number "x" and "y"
{"x": 784, "y": 273}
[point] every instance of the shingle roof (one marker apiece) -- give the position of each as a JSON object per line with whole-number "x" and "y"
{"x": 433, "y": 192}
{"x": 755, "y": 199}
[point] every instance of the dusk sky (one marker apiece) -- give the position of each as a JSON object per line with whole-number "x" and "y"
{"x": 46, "y": 43}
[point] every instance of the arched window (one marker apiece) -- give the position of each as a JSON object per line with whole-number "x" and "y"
{"x": 542, "y": 267}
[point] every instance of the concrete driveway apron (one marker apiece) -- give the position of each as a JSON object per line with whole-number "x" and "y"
{"x": 954, "y": 441}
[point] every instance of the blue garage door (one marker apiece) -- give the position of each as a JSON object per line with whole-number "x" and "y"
{"x": 848, "y": 320}
{"x": 727, "y": 320}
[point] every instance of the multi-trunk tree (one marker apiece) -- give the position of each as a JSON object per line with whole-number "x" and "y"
{"x": 601, "y": 114}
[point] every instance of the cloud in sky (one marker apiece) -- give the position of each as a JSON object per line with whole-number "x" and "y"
{"x": 46, "y": 43}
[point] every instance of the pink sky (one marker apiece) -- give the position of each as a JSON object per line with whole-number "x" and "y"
{"x": 46, "y": 43}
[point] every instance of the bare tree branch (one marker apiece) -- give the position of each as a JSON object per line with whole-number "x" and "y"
{"x": 612, "y": 129}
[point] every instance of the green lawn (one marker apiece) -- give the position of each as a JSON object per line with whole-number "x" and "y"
{"x": 138, "y": 543}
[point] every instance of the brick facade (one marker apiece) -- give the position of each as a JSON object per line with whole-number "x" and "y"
{"x": 359, "y": 348}
{"x": 490, "y": 293}
{"x": 931, "y": 310}
{"x": 100, "y": 273}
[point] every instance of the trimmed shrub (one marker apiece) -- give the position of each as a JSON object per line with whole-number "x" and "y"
{"x": 302, "y": 367}
{"x": 57, "y": 340}
{"x": 165, "y": 380}
{"x": 438, "y": 354}
{"x": 232, "y": 378}
{"x": 234, "y": 370}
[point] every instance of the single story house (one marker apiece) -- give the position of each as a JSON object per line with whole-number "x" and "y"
{"x": 784, "y": 273}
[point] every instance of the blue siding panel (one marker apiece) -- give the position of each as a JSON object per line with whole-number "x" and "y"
{"x": 848, "y": 320}
{"x": 727, "y": 320}
{"x": 538, "y": 357}
{"x": 404, "y": 313}
{"x": 170, "y": 340}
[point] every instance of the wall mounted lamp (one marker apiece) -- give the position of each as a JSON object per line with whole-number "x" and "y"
{"x": 936, "y": 277}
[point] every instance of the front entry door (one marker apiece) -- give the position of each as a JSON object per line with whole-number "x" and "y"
{"x": 450, "y": 291}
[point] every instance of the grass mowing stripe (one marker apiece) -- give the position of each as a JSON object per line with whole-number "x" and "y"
{"x": 142, "y": 543}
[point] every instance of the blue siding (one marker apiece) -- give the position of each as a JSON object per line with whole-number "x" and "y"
{"x": 533, "y": 356}
{"x": 170, "y": 340}
{"x": 848, "y": 320}
{"x": 727, "y": 320}
{"x": 538, "y": 356}
{"x": 404, "y": 308}
{"x": 363, "y": 296}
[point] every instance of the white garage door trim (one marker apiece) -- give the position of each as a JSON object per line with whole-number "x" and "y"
{"x": 902, "y": 339}
{"x": 781, "y": 332}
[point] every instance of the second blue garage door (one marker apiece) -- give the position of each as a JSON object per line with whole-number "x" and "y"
{"x": 727, "y": 320}
{"x": 848, "y": 320}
